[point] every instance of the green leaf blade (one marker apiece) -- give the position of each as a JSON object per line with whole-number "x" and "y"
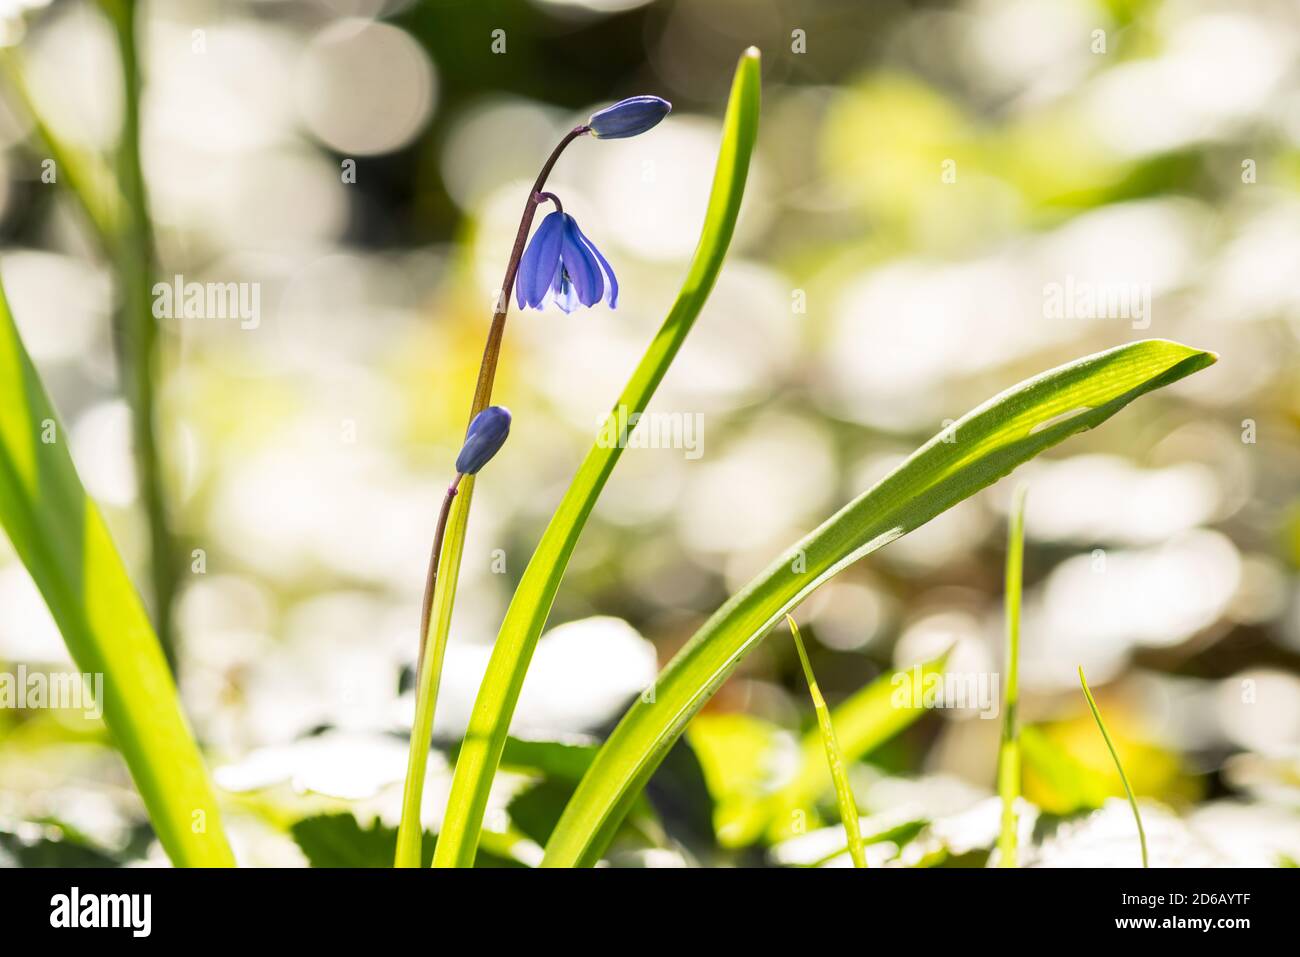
{"x": 489, "y": 724}
{"x": 976, "y": 451}
{"x": 1009, "y": 749}
{"x": 61, "y": 538}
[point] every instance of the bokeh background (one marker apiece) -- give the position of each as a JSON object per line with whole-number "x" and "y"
{"x": 924, "y": 172}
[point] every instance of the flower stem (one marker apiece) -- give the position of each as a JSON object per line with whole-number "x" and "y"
{"x": 438, "y": 533}
{"x": 492, "y": 351}
{"x": 551, "y": 198}
{"x": 410, "y": 831}
{"x": 440, "y": 592}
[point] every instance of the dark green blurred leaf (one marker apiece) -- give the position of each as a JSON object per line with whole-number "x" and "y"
{"x": 677, "y": 794}
{"x": 49, "y": 846}
{"x": 339, "y": 840}
{"x": 680, "y": 796}
{"x": 536, "y": 810}
{"x": 553, "y": 759}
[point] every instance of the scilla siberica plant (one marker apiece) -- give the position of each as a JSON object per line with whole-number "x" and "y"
{"x": 561, "y": 265}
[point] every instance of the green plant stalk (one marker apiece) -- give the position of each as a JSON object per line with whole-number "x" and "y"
{"x": 1114, "y": 756}
{"x": 834, "y": 759}
{"x": 977, "y": 450}
{"x": 440, "y": 586}
{"x": 136, "y": 330}
{"x": 1009, "y": 751}
{"x": 489, "y": 725}
{"x": 437, "y": 625}
{"x": 61, "y": 538}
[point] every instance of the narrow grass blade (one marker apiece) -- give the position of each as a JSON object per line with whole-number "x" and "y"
{"x": 974, "y": 452}
{"x": 1114, "y": 755}
{"x": 1009, "y": 752}
{"x": 59, "y": 535}
{"x": 863, "y": 722}
{"x": 834, "y": 759}
{"x": 490, "y": 720}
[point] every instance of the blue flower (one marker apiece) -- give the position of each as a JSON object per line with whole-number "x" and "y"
{"x": 487, "y": 433}
{"x": 629, "y": 117}
{"x": 561, "y": 263}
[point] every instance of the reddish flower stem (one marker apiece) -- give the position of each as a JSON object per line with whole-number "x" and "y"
{"x": 488, "y": 369}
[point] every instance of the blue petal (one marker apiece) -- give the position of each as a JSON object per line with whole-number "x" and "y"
{"x": 612, "y": 294}
{"x": 540, "y": 263}
{"x": 581, "y": 265}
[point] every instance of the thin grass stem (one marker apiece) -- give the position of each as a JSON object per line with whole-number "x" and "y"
{"x": 1132, "y": 801}
{"x": 834, "y": 757}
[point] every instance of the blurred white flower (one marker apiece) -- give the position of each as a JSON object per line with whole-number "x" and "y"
{"x": 1105, "y": 499}
{"x": 1108, "y": 838}
{"x": 1248, "y": 835}
{"x": 1260, "y": 709}
{"x": 1095, "y": 607}
{"x": 583, "y": 674}
{"x": 346, "y": 766}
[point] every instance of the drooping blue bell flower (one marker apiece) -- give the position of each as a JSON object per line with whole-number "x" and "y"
{"x": 487, "y": 433}
{"x": 561, "y": 263}
{"x": 629, "y": 117}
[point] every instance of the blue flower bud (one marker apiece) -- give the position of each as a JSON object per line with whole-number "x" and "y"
{"x": 487, "y": 433}
{"x": 629, "y": 117}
